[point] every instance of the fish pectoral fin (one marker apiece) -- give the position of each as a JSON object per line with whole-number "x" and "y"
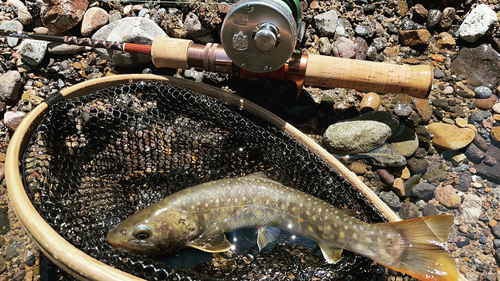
{"x": 331, "y": 254}
{"x": 266, "y": 235}
{"x": 212, "y": 241}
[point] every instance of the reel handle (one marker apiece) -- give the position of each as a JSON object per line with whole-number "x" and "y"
{"x": 334, "y": 72}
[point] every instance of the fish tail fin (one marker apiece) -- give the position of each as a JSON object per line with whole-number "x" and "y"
{"x": 423, "y": 256}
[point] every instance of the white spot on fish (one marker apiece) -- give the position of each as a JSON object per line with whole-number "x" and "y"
{"x": 319, "y": 210}
{"x": 206, "y": 204}
{"x": 290, "y": 226}
{"x": 217, "y": 201}
{"x": 228, "y": 199}
{"x": 192, "y": 207}
{"x": 300, "y": 205}
{"x": 355, "y": 236}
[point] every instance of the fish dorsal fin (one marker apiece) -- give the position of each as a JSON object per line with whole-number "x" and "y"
{"x": 331, "y": 254}
{"x": 266, "y": 235}
{"x": 212, "y": 240}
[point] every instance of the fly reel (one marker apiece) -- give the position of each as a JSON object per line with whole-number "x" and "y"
{"x": 260, "y": 35}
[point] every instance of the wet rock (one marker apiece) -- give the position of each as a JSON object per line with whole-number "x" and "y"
{"x": 434, "y": 18}
{"x": 407, "y": 24}
{"x": 13, "y": 250}
{"x": 422, "y": 191}
{"x": 420, "y": 13}
{"x": 94, "y": 19}
{"x": 360, "y": 134}
{"x": 12, "y": 119}
{"x": 447, "y": 18}
{"x": 21, "y": 11}
{"x": 391, "y": 199}
{"x": 11, "y": 85}
{"x": 482, "y": 92}
{"x": 386, "y": 156}
{"x": 61, "y": 15}
{"x": 326, "y": 23}
{"x": 132, "y": 29}
{"x": 471, "y": 208}
{"x": 385, "y": 177}
{"x": 448, "y": 136}
{"x": 447, "y": 196}
{"x": 490, "y": 171}
{"x": 417, "y": 166}
{"x": 33, "y": 51}
{"x": 409, "y": 211}
{"x": 462, "y": 90}
{"x": 370, "y": 102}
{"x": 344, "y": 48}
{"x": 55, "y": 48}
{"x": 480, "y": 65}
{"x": 414, "y": 37}
{"x": 402, "y": 109}
{"x": 325, "y": 47}
{"x": 361, "y": 47}
{"x": 406, "y": 143}
{"x": 474, "y": 154}
{"x": 478, "y": 23}
{"x": 14, "y": 26}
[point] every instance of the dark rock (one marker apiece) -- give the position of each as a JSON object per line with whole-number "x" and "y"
{"x": 423, "y": 191}
{"x": 480, "y": 65}
{"x": 409, "y": 211}
{"x": 402, "y": 109}
{"x": 19, "y": 276}
{"x": 4, "y": 219}
{"x": 30, "y": 259}
{"x": 3, "y": 265}
{"x": 437, "y": 174}
{"x": 13, "y": 250}
{"x": 434, "y": 18}
{"x": 386, "y": 156}
{"x": 476, "y": 118}
{"x": 412, "y": 181}
{"x": 497, "y": 256}
{"x": 489, "y": 171}
{"x": 443, "y": 103}
{"x": 447, "y": 18}
{"x": 417, "y": 166}
{"x": 495, "y": 230}
{"x": 385, "y": 177}
{"x": 465, "y": 181}
{"x": 420, "y": 153}
{"x": 496, "y": 243}
{"x": 461, "y": 244}
{"x": 429, "y": 210}
{"x": 474, "y": 154}
{"x": 482, "y": 92}
{"x": 424, "y": 136}
{"x": 420, "y": 13}
{"x": 438, "y": 74}
{"x": 407, "y": 24}
{"x": 391, "y": 199}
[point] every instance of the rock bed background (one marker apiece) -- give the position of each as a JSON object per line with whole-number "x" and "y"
{"x": 446, "y": 160}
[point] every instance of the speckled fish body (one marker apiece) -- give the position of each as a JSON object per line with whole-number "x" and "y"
{"x": 199, "y": 216}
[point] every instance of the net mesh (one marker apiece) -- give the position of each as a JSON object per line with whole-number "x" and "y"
{"x": 94, "y": 161}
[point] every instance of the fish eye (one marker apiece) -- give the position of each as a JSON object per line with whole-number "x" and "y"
{"x": 142, "y": 232}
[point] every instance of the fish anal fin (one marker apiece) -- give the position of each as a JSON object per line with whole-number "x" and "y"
{"x": 213, "y": 241}
{"x": 331, "y": 254}
{"x": 266, "y": 235}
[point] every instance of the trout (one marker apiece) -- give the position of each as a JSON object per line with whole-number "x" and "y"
{"x": 199, "y": 216}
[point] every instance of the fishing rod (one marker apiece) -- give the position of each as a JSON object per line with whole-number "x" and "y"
{"x": 258, "y": 39}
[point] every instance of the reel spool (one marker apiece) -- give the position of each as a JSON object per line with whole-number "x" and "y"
{"x": 260, "y": 35}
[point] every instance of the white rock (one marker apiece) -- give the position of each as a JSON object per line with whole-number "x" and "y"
{"x": 93, "y": 19}
{"x": 33, "y": 51}
{"x": 21, "y": 11}
{"x": 327, "y": 23}
{"x": 471, "y": 208}
{"x": 496, "y": 107}
{"x": 14, "y": 26}
{"x": 12, "y": 119}
{"x": 478, "y": 23}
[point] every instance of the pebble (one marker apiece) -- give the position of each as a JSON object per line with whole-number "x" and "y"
{"x": 418, "y": 166}
{"x": 386, "y": 156}
{"x": 414, "y": 37}
{"x": 434, "y": 18}
{"x": 409, "y": 211}
{"x": 130, "y": 29}
{"x": 435, "y": 174}
{"x": 484, "y": 104}
{"x": 370, "y": 102}
{"x": 407, "y": 24}
{"x": 424, "y": 109}
{"x": 3, "y": 265}
{"x": 12, "y": 119}
{"x": 358, "y": 168}
{"x": 483, "y": 92}
{"x": 462, "y": 90}
{"x": 474, "y": 154}
{"x": 402, "y": 109}
{"x": 195, "y": 74}
{"x": 385, "y": 177}
{"x": 391, "y": 199}
{"x": 430, "y": 210}
{"x": 344, "y": 48}
{"x": 14, "y": 26}
{"x": 361, "y": 47}
{"x": 495, "y": 133}
{"x": 21, "y": 11}
{"x": 405, "y": 174}
{"x": 63, "y": 15}
{"x": 496, "y": 108}
{"x": 477, "y": 24}
{"x": 364, "y": 30}
{"x": 326, "y": 23}
{"x": 11, "y": 85}
{"x": 406, "y": 143}
{"x": 420, "y": 13}
{"x": 448, "y": 136}
{"x": 447, "y": 196}
{"x": 193, "y": 27}
{"x": 325, "y": 47}
{"x": 4, "y": 219}
{"x": 471, "y": 208}
{"x": 399, "y": 187}
{"x": 19, "y": 276}
{"x": 94, "y": 19}
{"x": 422, "y": 191}
{"x": 55, "y": 48}
{"x": 479, "y": 65}
{"x": 446, "y": 41}
{"x": 13, "y": 250}
{"x": 33, "y": 51}
{"x": 447, "y": 18}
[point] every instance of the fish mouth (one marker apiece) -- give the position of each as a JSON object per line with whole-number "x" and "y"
{"x": 135, "y": 246}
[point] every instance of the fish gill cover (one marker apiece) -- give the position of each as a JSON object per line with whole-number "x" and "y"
{"x": 96, "y": 160}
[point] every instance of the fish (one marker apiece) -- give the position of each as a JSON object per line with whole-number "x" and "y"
{"x": 199, "y": 216}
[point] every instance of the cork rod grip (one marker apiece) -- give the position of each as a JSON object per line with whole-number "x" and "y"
{"x": 170, "y": 52}
{"x": 333, "y": 72}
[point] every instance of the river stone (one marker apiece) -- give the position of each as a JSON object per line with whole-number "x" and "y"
{"x": 4, "y": 219}
{"x": 11, "y": 85}
{"x": 465, "y": 181}
{"x": 132, "y": 30}
{"x": 56, "y": 48}
{"x": 435, "y": 174}
{"x": 21, "y": 11}
{"x": 462, "y": 90}
{"x": 414, "y": 37}
{"x": 14, "y": 26}
{"x": 391, "y": 199}
{"x": 447, "y": 196}
{"x": 386, "y": 156}
{"x": 492, "y": 172}
{"x": 479, "y": 65}
{"x": 483, "y": 92}
{"x": 448, "y": 136}
{"x": 423, "y": 191}
{"x": 325, "y": 47}
{"x": 344, "y": 48}
{"x": 326, "y": 23}
{"x": 61, "y": 15}
{"x": 409, "y": 211}
{"x": 424, "y": 110}
{"x": 447, "y": 18}
{"x": 13, "y": 250}
{"x": 474, "y": 153}
{"x": 434, "y": 18}
{"x": 406, "y": 143}
{"x": 93, "y": 19}
{"x": 471, "y": 208}
{"x": 3, "y": 265}
{"x": 478, "y": 23}
{"x": 33, "y": 51}
{"x": 418, "y": 166}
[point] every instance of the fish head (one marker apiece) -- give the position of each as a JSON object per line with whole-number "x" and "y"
{"x": 153, "y": 233}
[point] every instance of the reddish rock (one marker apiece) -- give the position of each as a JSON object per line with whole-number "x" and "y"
{"x": 414, "y": 37}
{"x": 484, "y": 104}
{"x": 424, "y": 109}
{"x": 61, "y": 15}
{"x": 447, "y": 196}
